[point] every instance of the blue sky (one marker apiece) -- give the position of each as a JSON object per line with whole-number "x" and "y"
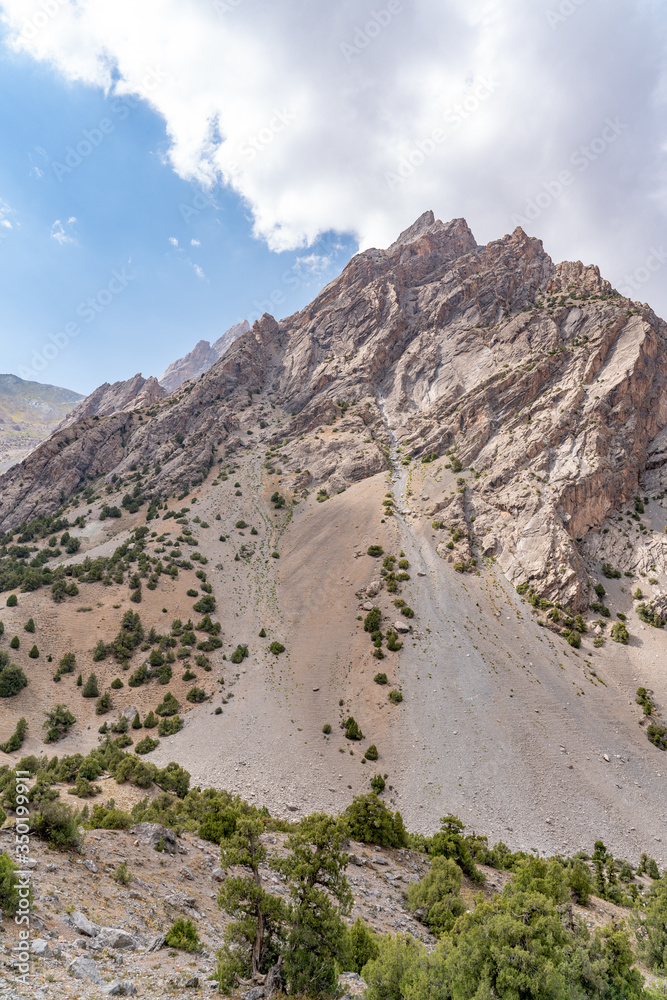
{"x": 129, "y": 206}
{"x": 316, "y": 130}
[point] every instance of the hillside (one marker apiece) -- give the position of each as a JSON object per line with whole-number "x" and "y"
{"x": 29, "y": 413}
{"x": 489, "y": 420}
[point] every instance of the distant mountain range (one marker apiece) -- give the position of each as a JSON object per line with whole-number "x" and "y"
{"x": 29, "y": 413}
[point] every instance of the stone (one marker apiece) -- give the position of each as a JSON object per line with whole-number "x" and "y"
{"x": 401, "y": 627}
{"x": 153, "y": 833}
{"x": 256, "y": 993}
{"x": 219, "y": 874}
{"x": 129, "y": 712}
{"x": 192, "y": 982}
{"x": 154, "y": 944}
{"x": 85, "y": 968}
{"x": 90, "y": 865}
{"x": 40, "y": 947}
{"x": 83, "y": 925}
{"x": 113, "y": 937}
{"x": 120, "y": 988}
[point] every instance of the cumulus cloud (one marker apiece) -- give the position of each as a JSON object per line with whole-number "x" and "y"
{"x": 173, "y": 241}
{"x": 356, "y": 117}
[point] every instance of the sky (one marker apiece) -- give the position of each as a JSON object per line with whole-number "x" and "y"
{"x": 170, "y": 167}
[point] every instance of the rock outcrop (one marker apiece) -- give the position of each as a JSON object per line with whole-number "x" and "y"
{"x": 200, "y": 358}
{"x": 131, "y": 394}
{"x": 538, "y": 378}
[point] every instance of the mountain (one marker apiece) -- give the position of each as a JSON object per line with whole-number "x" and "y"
{"x": 536, "y": 374}
{"x": 29, "y": 412}
{"x": 446, "y": 474}
{"x": 201, "y": 358}
{"x": 131, "y": 394}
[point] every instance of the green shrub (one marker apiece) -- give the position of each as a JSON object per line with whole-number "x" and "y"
{"x": 326, "y": 729}
{"x": 572, "y": 637}
{"x": 239, "y": 654}
{"x": 619, "y": 633}
{"x": 15, "y": 741}
{"x": 57, "y": 824}
{"x": 371, "y": 752}
{"x": 373, "y": 620}
{"x": 408, "y": 612}
{"x": 12, "y": 679}
{"x": 15, "y": 642}
{"x": 196, "y": 695}
{"x": 657, "y": 735}
{"x": 183, "y": 935}
{"x": 58, "y": 723}
{"x": 117, "y": 684}
{"x": 90, "y": 689}
{"x": 378, "y": 783}
{"x": 12, "y": 601}
{"x": 104, "y": 704}
{"x": 381, "y": 679}
{"x": 610, "y": 572}
{"x": 146, "y": 745}
{"x": 437, "y": 896}
{"x": 217, "y": 826}
{"x": 205, "y": 605}
{"x": 393, "y": 644}
{"x": 170, "y": 726}
{"x": 352, "y": 730}
{"x": 9, "y": 887}
{"x": 375, "y": 550}
{"x": 395, "y": 697}
{"x": 241, "y": 525}
{"x": 29, "y": 625}
{"x": 371, "y": 822}
{"x": 168, "y": 706}
{"x": 276, "y": 648}
{"x": 122, "y": 874}
{"x": 150, "y": 722}
{"x": 360, "y": 946}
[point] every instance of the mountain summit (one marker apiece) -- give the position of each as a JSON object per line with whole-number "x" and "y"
{"x": 537, "y": 376}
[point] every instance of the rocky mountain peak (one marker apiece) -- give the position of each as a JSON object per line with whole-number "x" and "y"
{"x": 200, "y": 358}
{"x": 130, "y": 394}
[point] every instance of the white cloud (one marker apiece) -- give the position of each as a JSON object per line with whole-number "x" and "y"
{"x": 198, "y": 271}
{"x": 173, "y": 241}
{"x": 60, "y": 234}
{"x": 359, "y": 118}
{"x": 5, "y": 213}
{"x": 195, "y": 243}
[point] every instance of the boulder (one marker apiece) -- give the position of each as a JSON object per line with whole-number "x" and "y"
{"x": 114, "y": 937}
{"x": 120, "y": 988}
{"x": 83, "y": 925}
{"x": 84, "y": 968}
{"x": 153, "y": 833}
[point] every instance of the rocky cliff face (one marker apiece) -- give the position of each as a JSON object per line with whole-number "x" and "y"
{"x": 131, "y": 394}
{"x": 537, "y": 377}
{"x": 201, "y": 358}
